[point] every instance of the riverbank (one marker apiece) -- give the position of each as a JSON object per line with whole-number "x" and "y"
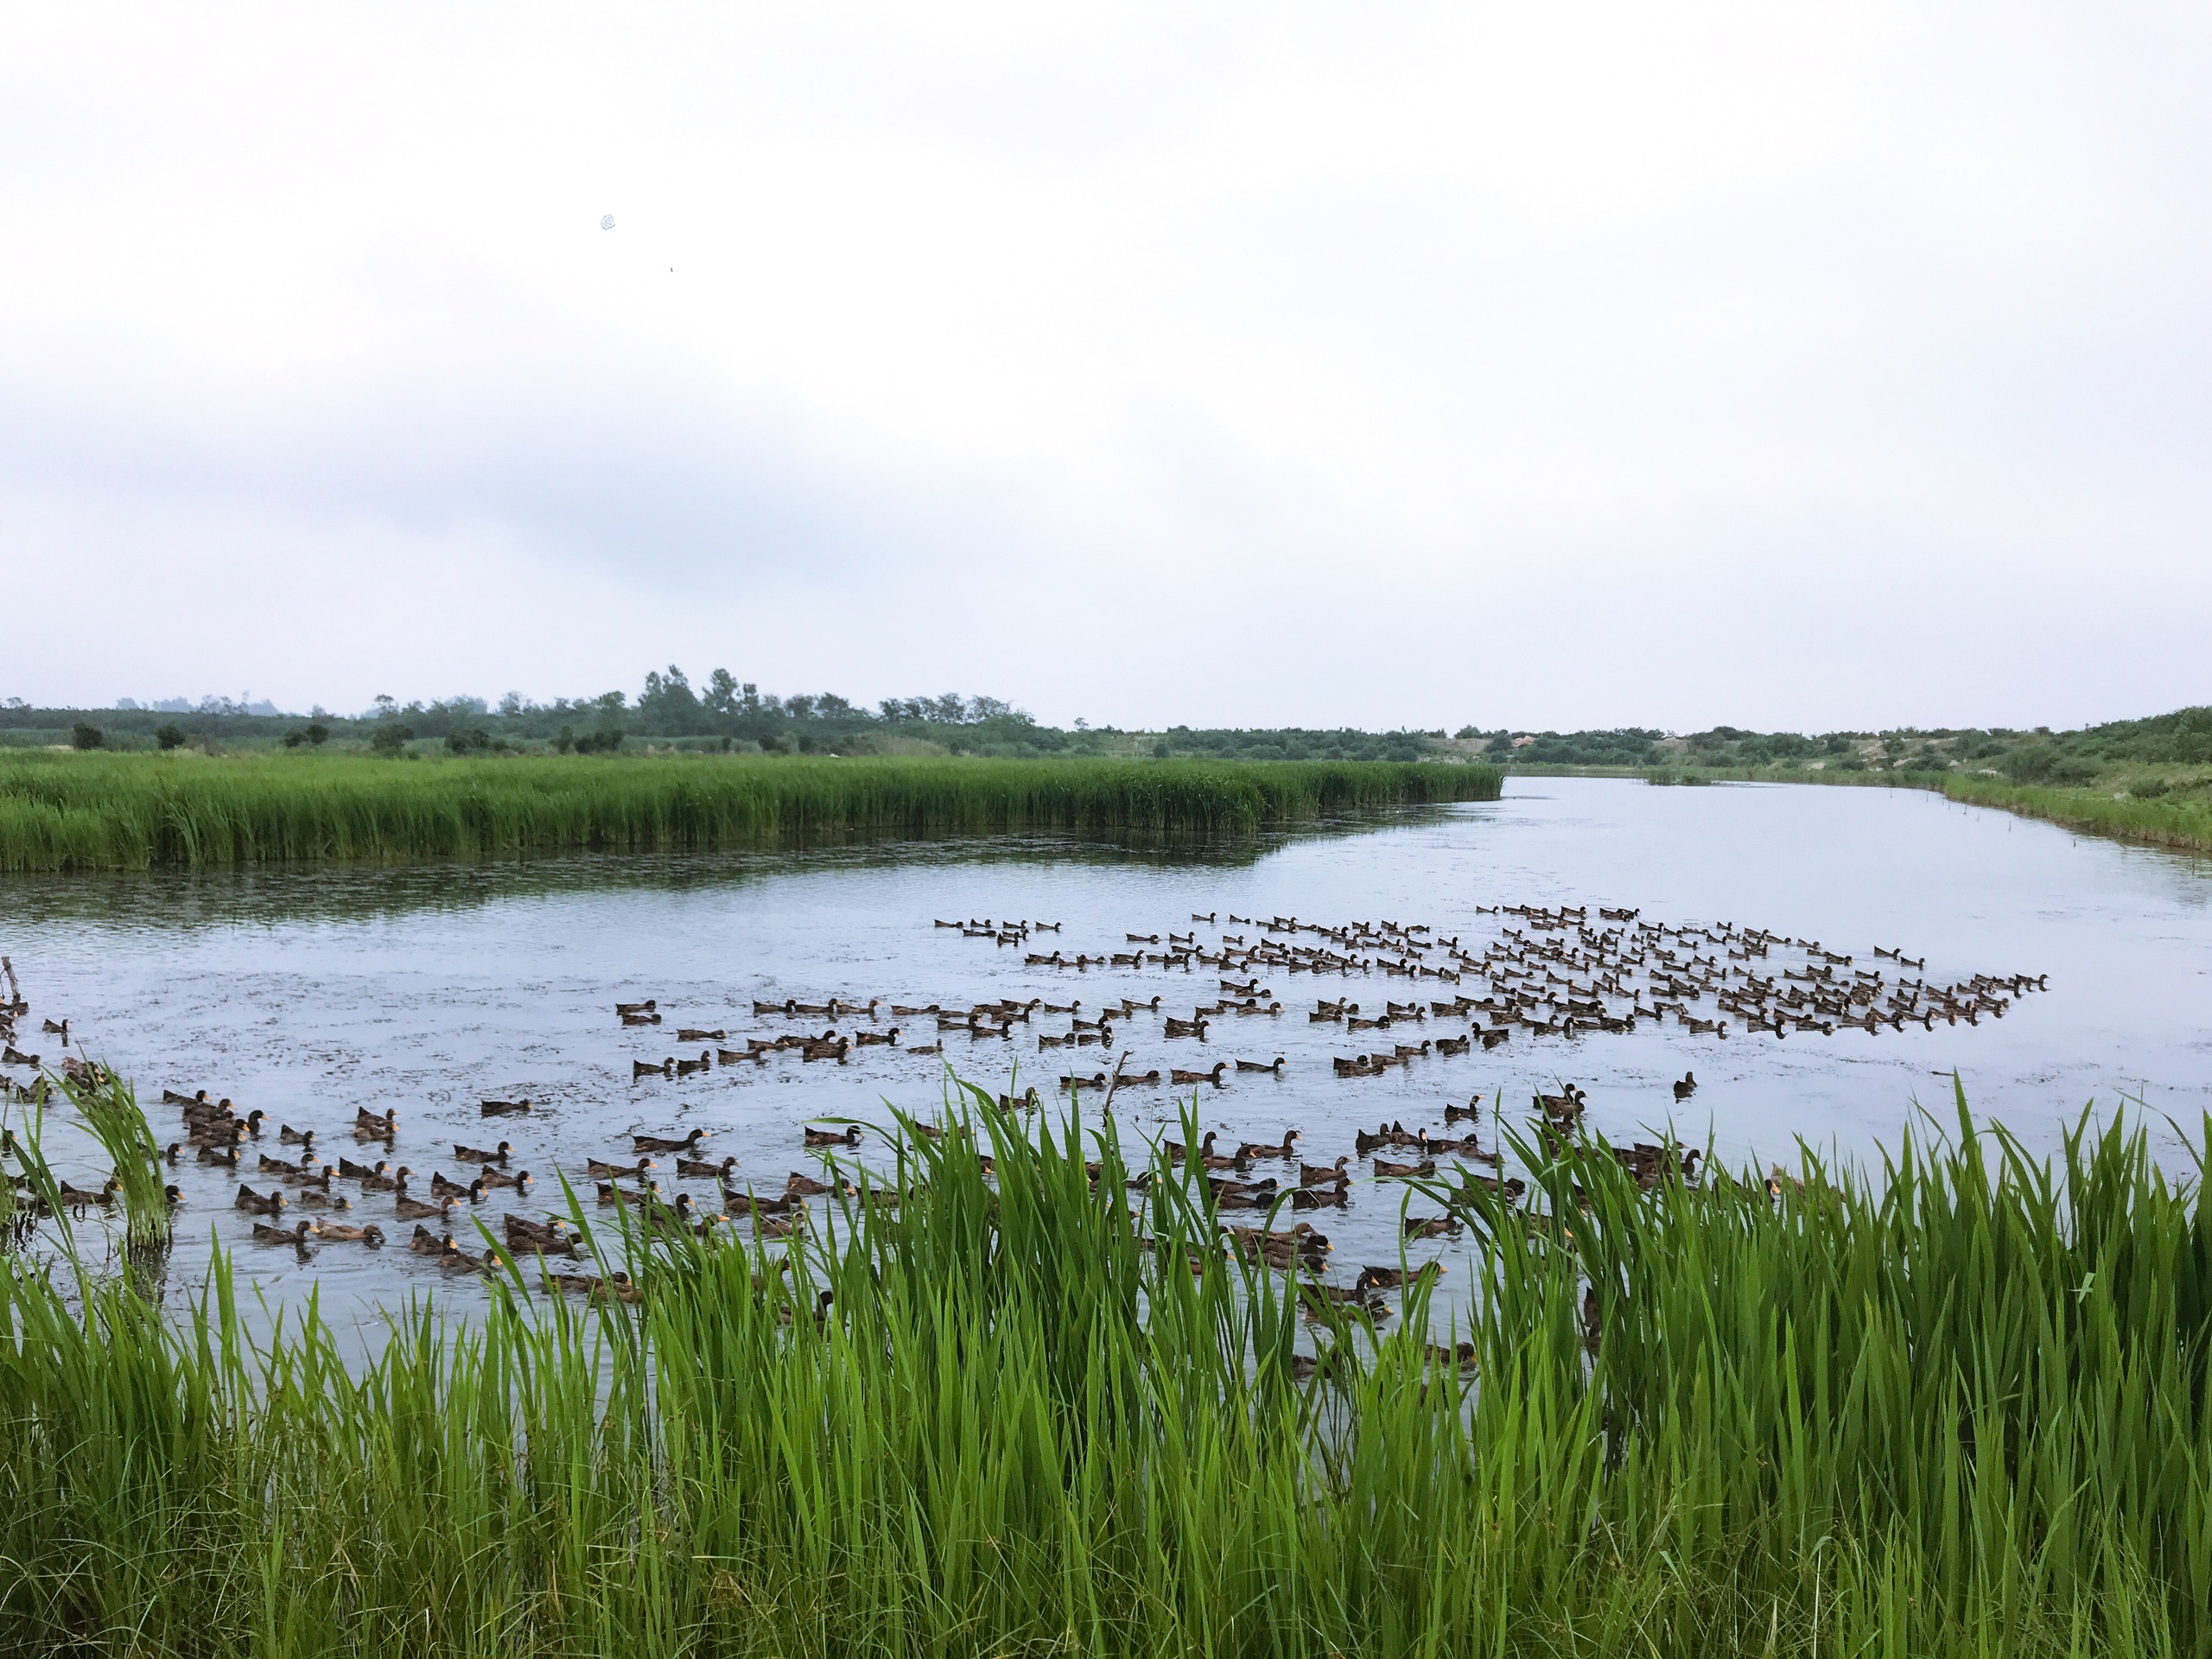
{"x": 2162, "y": 806}
{"x": 96, "y": 811}
{"x": 1960, "y": 1412}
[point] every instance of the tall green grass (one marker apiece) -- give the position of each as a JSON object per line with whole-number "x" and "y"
{"x": 98, "y": 811}
{"x": 1958, "y": 1408}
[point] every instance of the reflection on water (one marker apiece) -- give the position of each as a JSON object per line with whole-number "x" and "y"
{"x": 192, "y": 898}
{"x": 313, "y": 994}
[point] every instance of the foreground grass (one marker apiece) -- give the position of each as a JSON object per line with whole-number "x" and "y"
{"x": 100, "y": 811}
{"x": 1963, "y": 1409}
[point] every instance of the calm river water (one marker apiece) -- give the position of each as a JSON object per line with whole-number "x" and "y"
{"x": 313, "y": 994}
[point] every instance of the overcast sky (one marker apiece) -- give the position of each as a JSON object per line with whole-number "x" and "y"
{"x": 1541, "y": 366}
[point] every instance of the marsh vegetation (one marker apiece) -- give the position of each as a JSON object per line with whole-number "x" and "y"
{"x": 123, "y": 812}
{"x": 1960, "y": 1404}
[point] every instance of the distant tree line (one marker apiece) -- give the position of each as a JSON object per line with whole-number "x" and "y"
{"x": 725, "y": 714}
{"x": 2037, "y": 756}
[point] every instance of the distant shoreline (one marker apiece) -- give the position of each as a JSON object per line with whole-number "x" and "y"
{"x": 2178, "y": 815}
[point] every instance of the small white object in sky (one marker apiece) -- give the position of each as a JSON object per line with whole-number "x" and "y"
{"x": 606, "y": 221}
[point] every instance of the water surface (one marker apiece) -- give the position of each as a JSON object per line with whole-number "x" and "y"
{"x": 426, "y": 988}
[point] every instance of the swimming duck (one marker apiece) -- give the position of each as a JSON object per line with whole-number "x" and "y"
{"x": 1177, "y": 1152}
{"x": 1396, "y": 1278}
{"x": 1427, "y": 1166}
{"x": 78, "y": 1198}
{"x": 657, "y": 1143}
{"x": 849, "y": 1137}
{"x": 740, "y": 1203}
{"x": 264, "y": 1234}
{"x": 409, "y": 1209}
{"x": 454, "y": 1259}
{"x": 256, "y": 1204}
{"x": 478, "y": 1156}
{"x": 547, "y": 1237}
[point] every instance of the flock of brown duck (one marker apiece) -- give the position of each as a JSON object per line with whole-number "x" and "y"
{"x": 1547, "y": 973}
{"x": 309, "y": 1199}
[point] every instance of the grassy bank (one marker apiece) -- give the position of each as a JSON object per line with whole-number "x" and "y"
{"x": 1966, "y": 1411}
{"x": 99, "y": 811}
{"x": 2178, "y": 816}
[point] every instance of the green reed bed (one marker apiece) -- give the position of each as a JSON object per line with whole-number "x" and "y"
{"x": 1961, "y": 1407}
{"x": 99, "y": 811}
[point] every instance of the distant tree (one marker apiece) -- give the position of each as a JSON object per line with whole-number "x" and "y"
{"x": 317, "y": 733}
{"x": 390, "y": 738}
{"x": 169, "y": 736}
{"x": 83, "y": 736}
{"x": 668, "y": 700}
{"x": 294, "y": 739}
{"x": 721, "y": 694}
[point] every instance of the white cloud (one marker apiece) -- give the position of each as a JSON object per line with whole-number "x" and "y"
{"x": 1587, "y": 364}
